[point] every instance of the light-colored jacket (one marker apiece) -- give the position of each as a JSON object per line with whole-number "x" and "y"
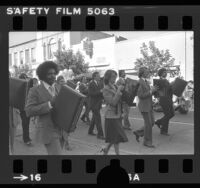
{"x": 112, "y": 99}
{"x": 145, "y": 97}
{"x": 37, "y": 105}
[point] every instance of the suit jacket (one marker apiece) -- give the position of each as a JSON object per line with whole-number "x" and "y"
{"x": 37, "y": 105}
{"x": 96, "y": 95}
{"x": 113, "y": 102}
{"x": 166, "y": 90}
{"x": 145, "y": 97}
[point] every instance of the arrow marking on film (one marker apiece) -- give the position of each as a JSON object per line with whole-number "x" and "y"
{"x": 21, "y": 177}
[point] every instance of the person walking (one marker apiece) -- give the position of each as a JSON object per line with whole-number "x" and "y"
{"x": 146, "y": 107}
{"x": 83, "y": 88}
{"x": 126, "y": 107}
{"x": 24, "y": 118}
{"x": 114, "y": 132}
{"x": 40, "y": 102}
{"x": 165, "y": 99}
{"x": 96, "y": 97}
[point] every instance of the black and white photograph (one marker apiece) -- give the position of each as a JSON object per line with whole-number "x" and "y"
{"x": 101, "y": 93}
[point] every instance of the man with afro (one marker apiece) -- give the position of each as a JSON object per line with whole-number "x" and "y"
{"x": 40, "y": 102}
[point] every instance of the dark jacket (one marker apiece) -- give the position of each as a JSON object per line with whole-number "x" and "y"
{"x": 95, "y": 95}
{"x": 166, "y": 90}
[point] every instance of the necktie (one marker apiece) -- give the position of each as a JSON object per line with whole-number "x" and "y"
{"x": 51, "y": 89}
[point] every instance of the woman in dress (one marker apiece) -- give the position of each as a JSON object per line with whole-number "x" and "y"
{"x": 114, "y": 132}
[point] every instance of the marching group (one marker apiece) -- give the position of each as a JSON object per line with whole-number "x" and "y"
{"x": 42, "y": 96}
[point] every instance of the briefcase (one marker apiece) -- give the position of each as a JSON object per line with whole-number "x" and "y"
{"x": 18, "y": 89}
{"x": 68, "y": 108}
{"x": 71, "y": 84}
{"x": 178, "y": 86}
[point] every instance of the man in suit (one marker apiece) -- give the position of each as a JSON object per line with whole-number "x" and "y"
{"x": 96, "y": 98}
{"x": 165, "y": 99}
{"x": 40, "y": 102}
{"x": 146, "y": 108}
{"x": 125, "y": 106}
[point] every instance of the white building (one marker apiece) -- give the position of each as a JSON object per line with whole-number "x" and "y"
{"x": 109, "y": 52}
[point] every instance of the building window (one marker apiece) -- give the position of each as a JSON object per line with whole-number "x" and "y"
{"x": 10, "y": 60}
{"x": 15, "y": 58}
{"x": 33, "y": 59}
{"x": 44, "y": 51}
{"x": 51, "y": 48}
{"x": 21, "y": 58}
{"x": 27, "y": 56}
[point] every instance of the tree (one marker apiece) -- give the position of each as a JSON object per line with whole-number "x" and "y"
{"x": 67, "y": 59}
{"x": 154, "y": 59}
{"x": 22, "y": 69}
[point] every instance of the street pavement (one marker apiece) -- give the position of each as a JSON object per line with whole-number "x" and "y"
{"x": 180, "y": 141}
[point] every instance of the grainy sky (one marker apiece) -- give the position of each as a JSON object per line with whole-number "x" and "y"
{"x": 20, "y": 37}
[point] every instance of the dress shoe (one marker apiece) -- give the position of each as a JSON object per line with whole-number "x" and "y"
{"x": 92, "y": 134}
{"x": 158, "y": 124}
{"x": 101, "y": 137}
{"x": 103, "y": 150}
{"x": 149, "y": 146}
{"x": 137, "y": 137}
{"x": 29, "y": 143}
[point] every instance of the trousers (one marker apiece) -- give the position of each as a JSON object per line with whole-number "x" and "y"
{"x": 25, "y": 126}
{"x": 96, "y": 120}
{"x": 168, "y": 110}
{"x": 146, "y": 130}
{"x": 126, "y": 110}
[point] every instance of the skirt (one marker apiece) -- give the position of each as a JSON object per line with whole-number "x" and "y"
{"x": 114, "y": 132}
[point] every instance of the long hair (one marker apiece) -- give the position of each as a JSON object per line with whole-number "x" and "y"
{"x": 141, "y": 71}
{"x": 107, "y": 76}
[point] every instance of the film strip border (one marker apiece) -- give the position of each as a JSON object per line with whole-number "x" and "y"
{"x": 165, "y": 169}
{"x": 114, "y": 23}
{"x": 186, "y": 23}
{"x": 123, "y": 18}
{"x": 154, "y": 169}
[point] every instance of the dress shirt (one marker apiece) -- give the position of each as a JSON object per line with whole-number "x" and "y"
{"x": 51, "y": 90}
{"x": 96, "y": 82}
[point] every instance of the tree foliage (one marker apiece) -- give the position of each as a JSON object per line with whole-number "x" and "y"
{"x": 67, "y": 59}
{"x": 154, "y": 59}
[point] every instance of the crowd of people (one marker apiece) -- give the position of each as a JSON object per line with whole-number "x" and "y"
{"x": 42, "y": 96}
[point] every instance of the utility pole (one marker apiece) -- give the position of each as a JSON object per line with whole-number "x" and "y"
{"x": 185, "y": 56}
